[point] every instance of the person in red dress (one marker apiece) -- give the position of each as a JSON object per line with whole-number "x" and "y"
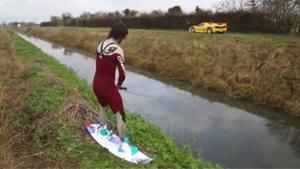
{"x": 109, "y": 57}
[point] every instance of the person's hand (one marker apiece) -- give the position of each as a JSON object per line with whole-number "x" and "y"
{"x": 121, "y": 88}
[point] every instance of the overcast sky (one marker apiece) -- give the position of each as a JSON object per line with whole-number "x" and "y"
{"x": 41, "y": 10}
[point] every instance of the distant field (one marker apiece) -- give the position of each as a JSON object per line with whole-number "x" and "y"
{"x": 264, "y": 68}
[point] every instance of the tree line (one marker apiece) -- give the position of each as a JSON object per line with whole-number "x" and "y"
{"x": 267, "y": 16}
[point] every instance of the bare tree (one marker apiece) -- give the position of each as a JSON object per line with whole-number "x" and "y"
{"x": 157, "y": 13}
{"x": 252, "y": 5}
{"x": 230, "y": 5}
{"x": 66, "y": 17}
{"x": 199, "y": 11}
{"x": 54, "y": 18}
{"x": 175, "y": 10}
{"x": 99, "y": 14}
{"x": 128, "y": 12}
{"x": 284, "y": 13}
{"x": 133, "y": 13}
{"x": 85, "y": 15}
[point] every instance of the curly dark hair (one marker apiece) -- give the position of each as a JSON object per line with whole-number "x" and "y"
{"x": 118, "y": 31}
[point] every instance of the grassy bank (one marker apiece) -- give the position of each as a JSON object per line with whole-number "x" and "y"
{"x": 263, "y": 68}
{"x": 43, "y": 108}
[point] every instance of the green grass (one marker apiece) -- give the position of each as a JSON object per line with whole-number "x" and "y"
{"x": 65, "y": 140}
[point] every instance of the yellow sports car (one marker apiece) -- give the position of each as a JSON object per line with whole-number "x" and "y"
{"x": 209, "y": 27}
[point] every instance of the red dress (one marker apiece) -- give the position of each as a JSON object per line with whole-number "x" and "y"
{"x": 109, "y": 57}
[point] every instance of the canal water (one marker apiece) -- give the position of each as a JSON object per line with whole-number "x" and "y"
{"x": 234, "y": 135}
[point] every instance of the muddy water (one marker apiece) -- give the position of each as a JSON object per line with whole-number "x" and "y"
{"x": 244, "y": 137}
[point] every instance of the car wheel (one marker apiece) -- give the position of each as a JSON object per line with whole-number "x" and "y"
{"x": 209, "y": 31}
{"x": 193, "y": 30}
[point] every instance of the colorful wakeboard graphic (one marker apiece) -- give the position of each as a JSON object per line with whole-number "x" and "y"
{"x": 124, "y": 150}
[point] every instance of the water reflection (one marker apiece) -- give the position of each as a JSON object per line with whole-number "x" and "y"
{"x": 68, "y": 52}
{"x": 287, "y": 134}
{"x": 221, "y": 133}
{"x": 55, "y": 46}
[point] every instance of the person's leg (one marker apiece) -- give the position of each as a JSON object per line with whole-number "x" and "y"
{"x": 102, "y": 113}
{"x": 121, "y": 125}
{"x": 103, "y": 106}
{"x": 116, "y": 105}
